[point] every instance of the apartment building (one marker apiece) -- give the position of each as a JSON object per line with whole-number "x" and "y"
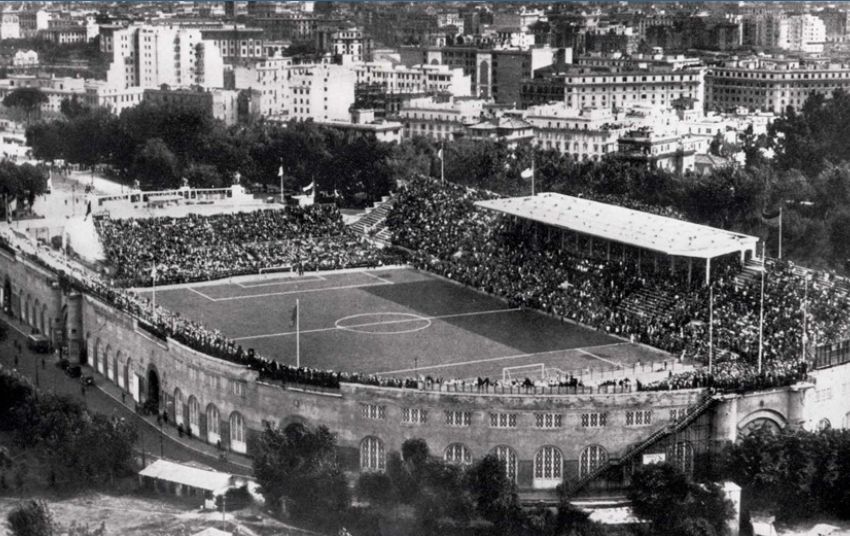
{"x": 415, "y": 79}
{"x": 583, "y": 133}
{"x": 580, "y": 87}
{"x": 149, "y": 56}
{"x": 771, "y": 84}
{"x": 323, "y": 92}
{"x": 439, "y": 121}
{"x": 221, "y": 104}
{"x": 236, "y": 41}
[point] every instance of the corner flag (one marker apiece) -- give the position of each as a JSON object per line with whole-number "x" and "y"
{"x": 527, "y": 173}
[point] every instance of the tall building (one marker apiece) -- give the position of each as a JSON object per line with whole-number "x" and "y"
{"x": 149, "y": 56}
{"x": 771, "y": 84}
{"x": 323, "y": 92}
{"x": 495, "y": 73}
{"x": 798, "y": 33}
{"x": 439, "y": 121}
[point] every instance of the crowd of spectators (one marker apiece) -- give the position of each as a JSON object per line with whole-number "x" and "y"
{"x": 199, "y": 248}
{"x": 448, "y": 235}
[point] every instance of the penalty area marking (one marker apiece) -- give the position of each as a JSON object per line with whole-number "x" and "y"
{"x": 585, "y": 352}
{"x": 283, "y": 281}
{"x": 199, "y": 293}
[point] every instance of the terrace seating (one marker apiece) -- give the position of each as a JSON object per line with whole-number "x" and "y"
{"x": 750, "y": 273}
{"x": 648, "y": 303}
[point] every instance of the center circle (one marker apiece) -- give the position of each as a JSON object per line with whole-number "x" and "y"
{"x": 383, "y": 323}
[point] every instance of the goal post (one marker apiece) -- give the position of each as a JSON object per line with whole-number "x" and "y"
{"x": 537, "y": 370}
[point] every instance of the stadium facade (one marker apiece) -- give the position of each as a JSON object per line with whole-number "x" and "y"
{"x": 588, "y": 440}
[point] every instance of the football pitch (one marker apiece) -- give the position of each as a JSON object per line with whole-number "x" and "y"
{"x": 395, "y": 322}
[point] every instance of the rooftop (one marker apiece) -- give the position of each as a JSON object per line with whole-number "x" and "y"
{"x": 626, "y": 226}
{"x": 189, "y": 476}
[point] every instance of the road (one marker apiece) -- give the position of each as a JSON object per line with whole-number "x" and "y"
{"x": 42, "y": 369}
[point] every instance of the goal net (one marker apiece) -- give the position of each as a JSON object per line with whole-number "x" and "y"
{"x": 536, "y": 371}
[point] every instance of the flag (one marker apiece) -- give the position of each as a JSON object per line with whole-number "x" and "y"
{"x": 771, "y": 217}
{"x": 527, "y": 173}
{"x": 294, "y": 319}
{"x": 88, "y": 210}
{"x": 280, "y": 172}
{"x": 440, "y": 153}
{"x": 309, "y": 187}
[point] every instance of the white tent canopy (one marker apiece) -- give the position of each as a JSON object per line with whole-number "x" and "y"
{"x": 186, "y": 475}
{"x": 624, "y": 225}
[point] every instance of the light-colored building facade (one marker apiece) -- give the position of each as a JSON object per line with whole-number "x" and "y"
{"x": 414, "y": 79}
{"x": 10, "y": 25}
{"x": 441, "y": 121}
{"x": 771, "y": 84}
{"x": 322, "y": 92}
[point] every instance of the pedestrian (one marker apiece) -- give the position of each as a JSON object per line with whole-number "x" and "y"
{"x": 16, "y": 360}
{"x": 158, "y": 419}
{"x": 123, "y": 397}
{"x": 180, "y": 430}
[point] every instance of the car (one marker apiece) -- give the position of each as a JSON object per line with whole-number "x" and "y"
{"x": 74, "y": 371}
{"x": 38, "y": 343}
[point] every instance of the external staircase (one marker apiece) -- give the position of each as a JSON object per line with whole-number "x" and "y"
{"x": 373, "y": 224}
{"x": 704, "y": 404}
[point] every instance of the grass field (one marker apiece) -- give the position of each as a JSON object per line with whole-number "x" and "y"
{"x": 394, "y": 322}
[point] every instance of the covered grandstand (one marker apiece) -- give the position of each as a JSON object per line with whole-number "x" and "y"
{"x": 597, "y": 227}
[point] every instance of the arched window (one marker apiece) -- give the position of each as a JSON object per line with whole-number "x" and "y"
{"x": 96, "y": 355}
{"x": 213, "y": 434}
{"x": 592, "y": 458}
{"x": 548, "y": 466}
{"x": 194, "y": 415}
{"x": 681, "y": 455}
{"x": 237, "y": 432}
{"x": 119, "y": 376}
{"x": 372, "y": 454}
{"x": 178, "y": 407}
{"x": 458, "y": 454}
{"x": 110, "y": 371}
{"x": 507, "y": 456}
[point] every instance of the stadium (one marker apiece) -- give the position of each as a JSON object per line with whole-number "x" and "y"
{"x": 573, "y": 339}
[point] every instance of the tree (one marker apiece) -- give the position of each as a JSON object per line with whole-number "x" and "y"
{"x": 28, "y": 99}
{"x": 32, "y": 518}
{"x": 156, "y": 165}
{"x": 297, "y": 465}
{"x": 674, "y": 504}
{"x": 72, "y": 107}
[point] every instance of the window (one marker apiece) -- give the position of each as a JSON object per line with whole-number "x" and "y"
{"x": 676, "y": 414}
{"x": 593, "y": 420}
{"x": 414, "y": 416}
{"x": 639, "y": 418}
{"x": 458, "y": 454}
{"x": 503, "y": 420}
{"x": 212, "y": 420}
{"x": 548, "y": 463}
{"x": 372, "y": 454}
{"x": 458, "y": 418}
{"x": 374, "y": 411}
{"x": 237, "y": 432}
{"x": 548, "y": 420}
{"x": 592, "y": 458}
{"x": 237, "y": 387}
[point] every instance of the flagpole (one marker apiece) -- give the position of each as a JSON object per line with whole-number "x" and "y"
{"x": 710, "y": 328}
{"x": 153, "y": 299}
{"x": 805, "y": 315}
{"x": 780, "y": 231}
{"x": 297, "y": 333}
{"x": 761, "y": 322}
{"x": 280, "y": 172}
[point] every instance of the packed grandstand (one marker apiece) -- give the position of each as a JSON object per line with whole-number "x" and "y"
{"x": 438, "y": 227}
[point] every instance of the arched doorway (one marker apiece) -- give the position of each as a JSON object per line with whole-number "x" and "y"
{"x": 152, "y": 400}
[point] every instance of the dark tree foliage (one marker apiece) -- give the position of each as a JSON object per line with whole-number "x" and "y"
{"x": 795, "y": 474}
{"x": 297, "y": 466}
{"x": 31, "y": 518}
{"x": 28, "y": 99}
{"x": 675, "y": 505}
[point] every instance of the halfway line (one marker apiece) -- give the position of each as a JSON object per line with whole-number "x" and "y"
{"x": 381, "y": 323}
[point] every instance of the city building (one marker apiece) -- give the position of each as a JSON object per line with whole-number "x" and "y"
{"x": 624, "y": 87}
{"x": 67, "y": 34}
{"x": 798, "y": 33}
{"x": 583, "y": 133}
{"x": 25, "y": 58}
{"x": 663, "y": 150}
{"x": 152, "y": 55}
{"x": 221, "y": 104}
{"x": 56, "y": 89}
{"x": 431, "y": 79}
{"x": 31, "y": 21}
{"x": 321, "y": 92}
{"x": 10, "y": 25}
{"x": 439, "y": 121}
{"x": 364, "y": 123}
{"x": 771, "y": 84}
{"x": 236, "y": 41}
{"x": 350, "y": 44}
{"x": 114, "y": 98}
{"x": 495, "y": 73}
{"x": 507, "y": 128}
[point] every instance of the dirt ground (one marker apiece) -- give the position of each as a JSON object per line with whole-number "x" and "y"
{"x": 139, "y": 516}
